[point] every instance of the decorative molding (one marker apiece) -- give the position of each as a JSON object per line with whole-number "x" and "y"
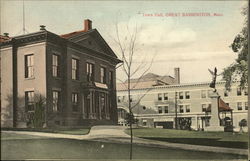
{"x": 29, "y": 89}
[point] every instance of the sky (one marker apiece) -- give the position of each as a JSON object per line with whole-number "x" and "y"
{"x": 192, "y": 43}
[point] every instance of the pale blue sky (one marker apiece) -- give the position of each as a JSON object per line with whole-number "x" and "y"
{"x": 191, "y": 43}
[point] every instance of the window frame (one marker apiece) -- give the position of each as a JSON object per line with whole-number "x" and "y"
{"x": 246, "y": 92}
{"x": 203, "y": 94}
{"x": 187, "y": 108}
{"x": 160, "y": 111}
{"x": 55, "y": 65}
{"x": 56, "y": 101}
{"x": 181, "y": 95}
{"x": 238, "y": 91}
{"x": 75, "y": 101}
{"x": 90, "y": 70}
{"x": 204, "y": 108}
{"x": 111, "y": 77}
{"x": 181, "y": 108}
{"x": 246, "y": 105}
{"x": 239, "y": 108}
{"x": 187, "y": 96}
{"x": 118, "y": 99}
{"x": 226, "y": 93}
{"x": 165, "y": 96}
{"x": 29, "y": 66}
{"x": 166, "y": 109}
{"x": 74, "y": 69}
{"x": 160, "y": 97}
{"x": 30, "y": 101}
{"x": 103, "y": 75}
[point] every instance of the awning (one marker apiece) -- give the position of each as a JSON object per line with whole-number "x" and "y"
{"x": 222, "y": 107}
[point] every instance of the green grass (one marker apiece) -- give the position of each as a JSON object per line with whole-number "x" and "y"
{"x": 27, "y": 147}
{"x": 72, "y": 131}
{"x": 219, "y": 139}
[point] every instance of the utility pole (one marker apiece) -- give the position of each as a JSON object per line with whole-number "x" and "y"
{"x": 176, "y": 124}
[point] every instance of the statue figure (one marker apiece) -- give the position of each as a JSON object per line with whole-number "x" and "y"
{"x": 214, "y": 75}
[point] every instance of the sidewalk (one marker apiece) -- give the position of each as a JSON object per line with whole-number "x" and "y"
{"x": 116, "y": 134}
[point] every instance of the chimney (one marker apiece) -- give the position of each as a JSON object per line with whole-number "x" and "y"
{"x": 87, "y": 25}
{"x": 177, "y": 75}
{"x": 42, "y": 27}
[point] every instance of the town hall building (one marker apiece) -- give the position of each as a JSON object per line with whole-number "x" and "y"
{"x": 74, "y": 73}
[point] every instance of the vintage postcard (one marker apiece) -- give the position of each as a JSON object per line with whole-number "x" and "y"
{"x": 124, "y": 80}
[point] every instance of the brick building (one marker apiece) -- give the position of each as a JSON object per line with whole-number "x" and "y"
{"x": 75, "y": 72}
{"x": 162, "y": 103}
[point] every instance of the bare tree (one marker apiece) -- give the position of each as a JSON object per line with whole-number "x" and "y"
{"x": 128, "y": 51}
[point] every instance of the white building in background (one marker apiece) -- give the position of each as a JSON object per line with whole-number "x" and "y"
{"x": 156, "y": 103}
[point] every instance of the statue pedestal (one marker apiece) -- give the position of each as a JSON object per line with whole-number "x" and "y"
{"x": 214, "y": 121}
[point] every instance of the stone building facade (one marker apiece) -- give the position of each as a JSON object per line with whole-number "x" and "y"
{"x": 74, "y": 72}
{"x": 160, "y": 105}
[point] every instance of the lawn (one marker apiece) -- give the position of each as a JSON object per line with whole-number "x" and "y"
{"x": 219, "y": 139}
{"x": 72, "y": 131}
{"x": 16, "y": 146}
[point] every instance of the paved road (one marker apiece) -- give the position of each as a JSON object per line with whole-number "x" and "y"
{"x": 116, "y": 134}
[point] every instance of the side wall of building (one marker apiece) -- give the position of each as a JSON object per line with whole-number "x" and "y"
{"x": 37, "y": 84}
{"x": 6, "y": 87}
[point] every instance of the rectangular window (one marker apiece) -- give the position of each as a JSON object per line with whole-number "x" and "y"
{"x": 75, "y": 102}
{"x": 187, "y": 95}
{"x": 165, "y": 96}
{"x": 181, "y": 108}
{"x": 123, "y": 98}
{"x": 29, "y": 101}
{"x": 245, "y": 92}
{"x": 204, "y": 107}
{"x": 131, "y": 98}
{"x": 29, "y": 66}
{"x": 111, "y": 79}
{"x": 118, "y": 99}
{"x": 55, "y": 65}
{"x": 239, "y": 91}
{"x": 159, "y": 96}
{"x": 165, "y": 109}
{"x": 159, "y": 109}
{"x": 209, "y": 107}
{"x": 55, "y": 107}
{"x": 90, "y": 72}
{"x": 203, "y": 94}
{"x": 75, "y": 68}
{"x": 239, "y": 106}
{"x": 225, "y": 93}
{"x": 103, "y": 75}
{"x": 180, "y": 95}
{"x": 246, "y": 105}
{"x": 187, "y": 108}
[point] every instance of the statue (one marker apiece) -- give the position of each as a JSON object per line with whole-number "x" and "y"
{"x": 214, "y": 75}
